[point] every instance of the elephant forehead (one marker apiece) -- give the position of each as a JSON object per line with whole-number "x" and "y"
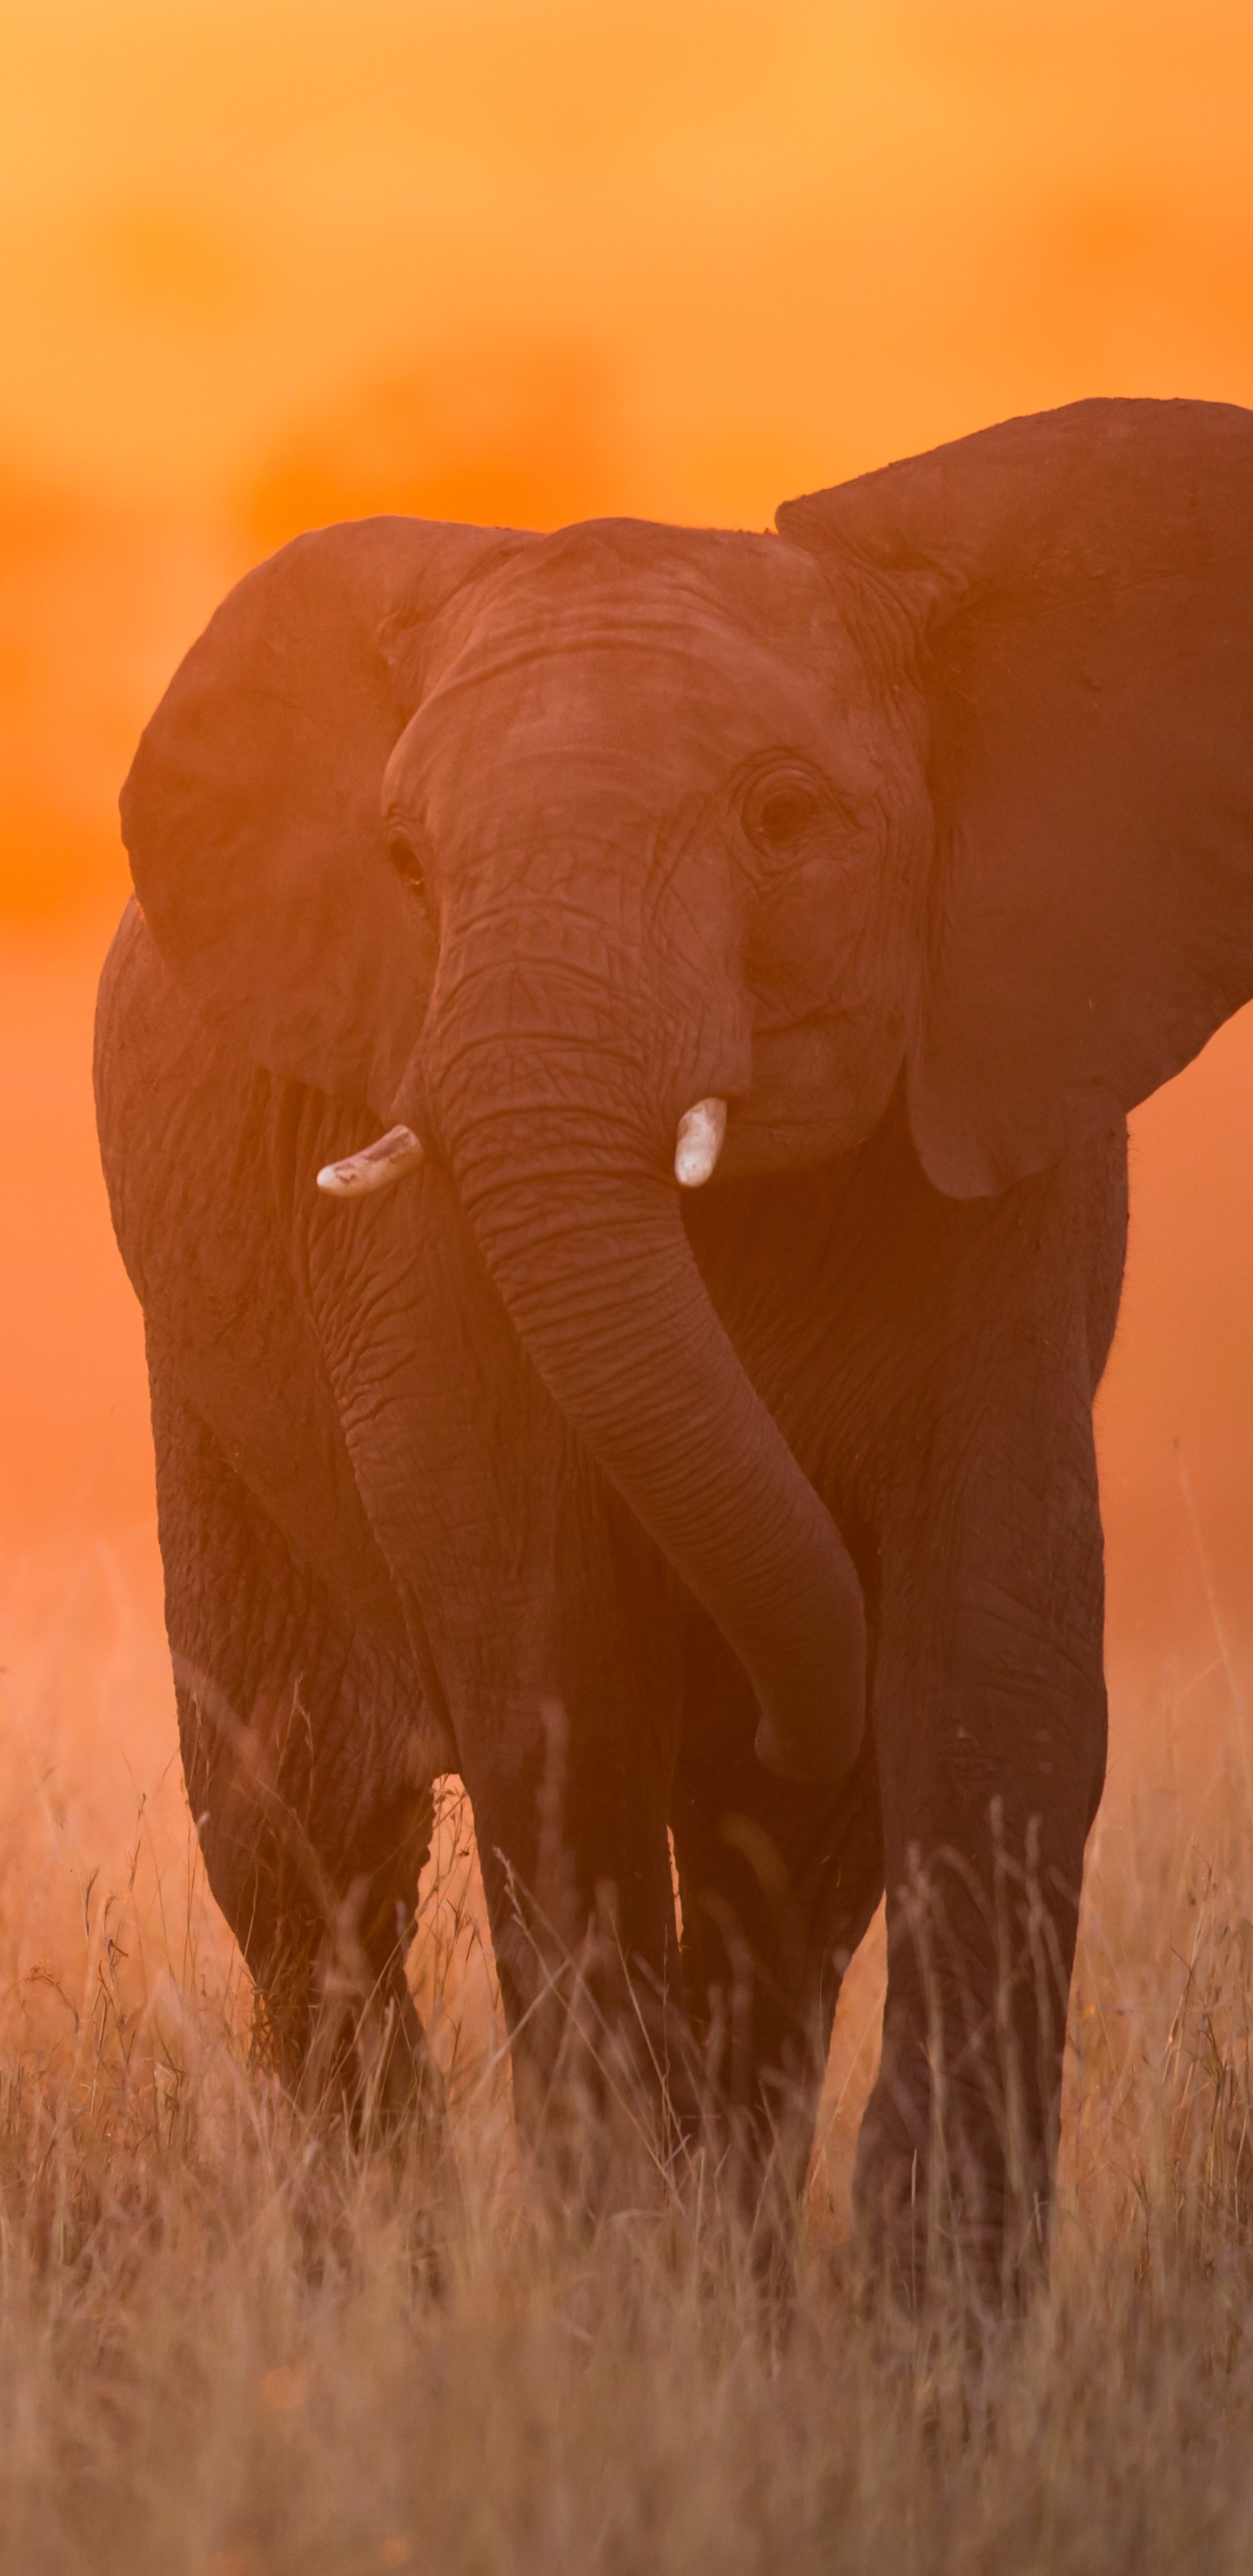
{"x": 694, "y": 652}
{"x": 674, "y": 588}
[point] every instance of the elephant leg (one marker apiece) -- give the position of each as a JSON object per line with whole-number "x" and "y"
{"x": 778, "y": 1883}
{"x": 294, "y": 1725}
{"x": 570, "y": 1788}
{"x": 573, "y": 1848}
{"x": 989, "y": 1721}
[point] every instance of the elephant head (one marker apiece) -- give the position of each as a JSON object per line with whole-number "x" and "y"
{"x": 540, "y": 844}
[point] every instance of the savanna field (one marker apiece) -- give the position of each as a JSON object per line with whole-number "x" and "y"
{"x": 230, "y": 2344}
{"x": 261, "y": 268}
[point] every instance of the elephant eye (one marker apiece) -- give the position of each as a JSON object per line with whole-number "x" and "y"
{"x": 780, "y": 813}
{"x": 407, "y": 864}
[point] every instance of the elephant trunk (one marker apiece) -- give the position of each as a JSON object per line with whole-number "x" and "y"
{"x": 570, "y": 1191}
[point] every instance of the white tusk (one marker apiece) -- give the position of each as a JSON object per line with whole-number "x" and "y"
{"x": 376, "y": 1167}
{"x": 699, "y": 1142}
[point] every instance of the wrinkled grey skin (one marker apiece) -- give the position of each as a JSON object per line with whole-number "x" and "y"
{"x": 921, "y": 834}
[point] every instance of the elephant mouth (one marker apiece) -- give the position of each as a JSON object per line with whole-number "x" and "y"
{"x": 820, "y": 1086}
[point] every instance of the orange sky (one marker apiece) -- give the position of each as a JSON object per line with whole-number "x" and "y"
{"x": 263, "y": 261}
{"x": 268, "y": 261}
{"x": 755, "y": 245}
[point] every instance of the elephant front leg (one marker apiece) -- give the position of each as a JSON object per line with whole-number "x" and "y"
{"x": 990, "y": 1726}
{"x": 778, "y": 1884}
{"x": 568, "y": 1769}
{"x": 298, "y": 1737}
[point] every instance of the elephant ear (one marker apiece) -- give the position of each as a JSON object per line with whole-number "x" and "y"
{"x": 1084, "y": 585}
{"x": 252, "y": 810}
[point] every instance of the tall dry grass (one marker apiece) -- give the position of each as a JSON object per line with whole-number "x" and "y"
{"x": 229, "y": 2345}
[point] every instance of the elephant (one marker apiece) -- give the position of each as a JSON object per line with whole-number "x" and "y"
{"x": 613, "y": 1091}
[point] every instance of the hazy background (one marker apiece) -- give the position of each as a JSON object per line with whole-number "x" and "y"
{"x": 264, "y": 264}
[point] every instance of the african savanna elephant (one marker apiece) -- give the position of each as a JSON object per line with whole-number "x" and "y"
{"x": 867, "y": 872}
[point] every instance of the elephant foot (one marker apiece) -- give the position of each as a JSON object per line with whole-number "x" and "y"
{"x": 369, "y": 2063}
{"x": 341, "y": 2032}
{"x": 942, "y": 2221}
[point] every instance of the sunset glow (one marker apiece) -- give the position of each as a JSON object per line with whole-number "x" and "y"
{"x": 265, "y": 265}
